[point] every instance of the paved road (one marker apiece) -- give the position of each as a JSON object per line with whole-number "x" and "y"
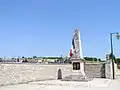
{"x": 53, "y": 85}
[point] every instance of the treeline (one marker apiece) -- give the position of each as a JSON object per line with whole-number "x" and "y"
{"x": 117, "y": 60}
{"x": 92, "y": 59}
{"x": 36, "y": 57}
{"x": 51, "y": 57}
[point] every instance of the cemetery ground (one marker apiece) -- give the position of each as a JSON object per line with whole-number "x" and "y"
{"x": 96, "y": 84}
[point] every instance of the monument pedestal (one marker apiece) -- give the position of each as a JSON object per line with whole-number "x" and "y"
{"x": 78, "y": 73}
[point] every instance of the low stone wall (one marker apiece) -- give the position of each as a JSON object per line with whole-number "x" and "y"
{"x": 22, "y": 73}
{"x": 16, "y": 73}
{"x": 96, "y": 70}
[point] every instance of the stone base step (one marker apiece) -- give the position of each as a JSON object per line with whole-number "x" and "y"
{"x": 77, "y": 78}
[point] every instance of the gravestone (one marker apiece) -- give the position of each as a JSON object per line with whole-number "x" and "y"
{"x": 78, "y": 73}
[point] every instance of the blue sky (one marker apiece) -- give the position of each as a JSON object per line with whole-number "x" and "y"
{"x": 45, "y": 27}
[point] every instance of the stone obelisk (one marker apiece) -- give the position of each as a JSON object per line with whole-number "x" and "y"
{"x": 77, "y": 47}
{"x": 77, "y": 58}
{"x": 78, "y": 73}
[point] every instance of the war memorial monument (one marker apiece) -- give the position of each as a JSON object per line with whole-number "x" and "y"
{"x": 78, "y": 73}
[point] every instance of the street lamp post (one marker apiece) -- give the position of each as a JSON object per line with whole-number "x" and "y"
{"x": 112, "y": 55}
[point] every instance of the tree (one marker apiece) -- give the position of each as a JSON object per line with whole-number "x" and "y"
{"x": 99, "y": 59}
{"x": 88, "y": 58}
{"x": 29, "y": 57}
{"x": 23, "y": 57}
{"x": 111, "y": 56}
{"x": 34, "y": 57}
{"x": 13, "y": 58}
{"x": 117, "y": 60}
{"x": 95, "y": 59}
{"x": 0, "y": 59}
{"x": 92, "y": 59}
{"x": 18, "y": 60}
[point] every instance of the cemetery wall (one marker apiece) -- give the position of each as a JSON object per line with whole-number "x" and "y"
{"x": 23, "y": 73}
{"x": 96, "y": 70}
